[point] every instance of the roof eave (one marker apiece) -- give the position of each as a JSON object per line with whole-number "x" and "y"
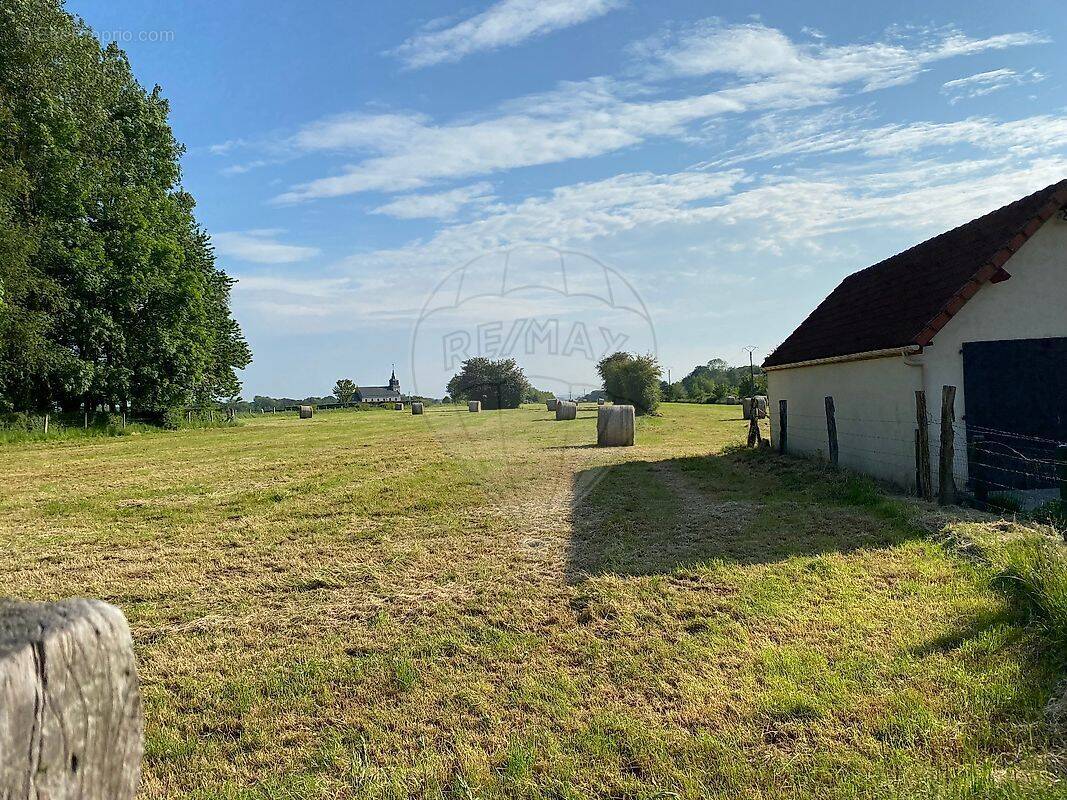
{"x": 888, "y": 352}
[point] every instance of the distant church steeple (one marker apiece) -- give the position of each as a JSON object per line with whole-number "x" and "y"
{"x": 394, "y": 384}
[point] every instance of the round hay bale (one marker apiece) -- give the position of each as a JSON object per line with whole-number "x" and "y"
{"x": 615, "y": 426}
{"x": 600, "y": 401}
{"x": 761, "y": 406}
{"x": 551, "y": 404}
{"x": 731, "y": 400}
{"x": 416, "y": 408}
{"x": 306, "y": 412}
{"x": 566, "y": 409}
{"x": 474, "y": 406}
{"x": 746, "y": 408}
{"x": 398, "y": 406}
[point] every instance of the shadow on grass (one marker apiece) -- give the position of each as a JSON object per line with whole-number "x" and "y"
{"x": 653, "y": 517}
{"x": 970, "y": 632}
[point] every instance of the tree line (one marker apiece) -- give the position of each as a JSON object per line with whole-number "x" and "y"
{"x": 714, "y": 382}
{"x": 109, "y": 291}
{"x": 628, "y": 378}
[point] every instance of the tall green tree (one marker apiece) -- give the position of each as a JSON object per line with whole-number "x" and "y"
{"x": 111, "y": 290}
{"x": 344, "y": 390}
{"x": 497, "y": 384}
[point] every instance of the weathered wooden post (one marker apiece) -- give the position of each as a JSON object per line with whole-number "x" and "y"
{"x": 71, "y": 720}
{"x": 946, "y": 479}
{"x": 923, "y": 475}
{"x": 831, "y": 429}
{"x": 754, "y": 438}
{"x": 783, "y": 427}
{"x": 85, "y": 423}
{"x": 45, "y": 424}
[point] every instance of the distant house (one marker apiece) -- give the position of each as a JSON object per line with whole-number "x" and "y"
{"x": 982, "y": 308}
{"x": 381, "y": 394}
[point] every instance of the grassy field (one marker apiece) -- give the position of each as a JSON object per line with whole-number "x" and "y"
{"x": 378, "y": 605}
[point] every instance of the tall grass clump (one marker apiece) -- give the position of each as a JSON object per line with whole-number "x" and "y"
{"x": 1033, "y": 571}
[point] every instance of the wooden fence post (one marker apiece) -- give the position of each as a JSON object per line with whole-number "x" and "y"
{"x": 831, "y": 429}
{"x": 922, "y": 448}
{"x": 946, "y": 478}
{"x": 85, "y": 425}
{"x": 783, "y": 426}
{"x": 71, "y": 720}
{"x": 45, "y": 424}
{"x": 753, "y": 427}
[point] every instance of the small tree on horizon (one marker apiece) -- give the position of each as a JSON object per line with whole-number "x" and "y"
{"x": 344, "y": 390}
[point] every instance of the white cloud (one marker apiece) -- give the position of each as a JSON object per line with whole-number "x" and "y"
{"x": 240, "y": 169}
{"x": 260, "y": 246}
{"x": 223, "y": 148}
{"x": 505, "y": 23}
{"x": 773, "y": 213}
{"x": 602, "y": 115}
{"x": 358, "y": 132}
{"x": 755, "y": 50}
{"x": 984, "y": 83}
{"x": 442, "y": 205}
{"x": 782, "y": 218}
{"x": 1043, "y": 133}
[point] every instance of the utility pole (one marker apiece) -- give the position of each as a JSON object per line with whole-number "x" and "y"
{"x": 751, "y": 367}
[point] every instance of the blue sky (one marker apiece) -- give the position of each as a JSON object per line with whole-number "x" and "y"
{"x": 732, "y": 161}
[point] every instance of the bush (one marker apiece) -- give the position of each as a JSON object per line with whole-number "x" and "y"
{"x": 632, "y": 380}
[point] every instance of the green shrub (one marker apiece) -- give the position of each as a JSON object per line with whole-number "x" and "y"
{"x": 632, "y": 380}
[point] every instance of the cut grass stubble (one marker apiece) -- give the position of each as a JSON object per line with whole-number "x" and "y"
{"x": 381, "y": 605}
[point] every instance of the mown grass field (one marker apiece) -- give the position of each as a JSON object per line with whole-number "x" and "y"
{"x": 378, "y": 605}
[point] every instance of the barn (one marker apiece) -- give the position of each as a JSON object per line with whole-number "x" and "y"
{"x": 982, "y": 308}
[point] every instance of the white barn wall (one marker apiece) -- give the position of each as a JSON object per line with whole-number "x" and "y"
{"x": 875, "y": 413}
{"x": 1032, "y": 304}
{"x": 875, "y": 398}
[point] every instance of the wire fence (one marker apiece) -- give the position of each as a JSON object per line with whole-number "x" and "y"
{"x": 991, "y": 468}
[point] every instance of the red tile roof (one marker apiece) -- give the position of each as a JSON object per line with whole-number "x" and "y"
{"x": 906, "y": 299}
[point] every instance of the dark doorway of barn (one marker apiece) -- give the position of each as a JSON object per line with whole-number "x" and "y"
{"x": 1016, "y": 415}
